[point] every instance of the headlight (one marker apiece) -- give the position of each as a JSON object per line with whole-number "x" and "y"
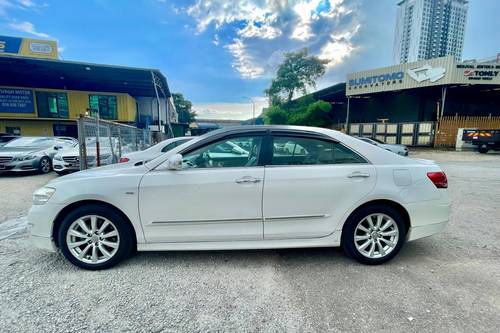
{"x": 58, "y": 157}
{"x": 42, "y": 195}
{"x": 24, "y": 158}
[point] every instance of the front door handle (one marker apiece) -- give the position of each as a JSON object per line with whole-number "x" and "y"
{"x": 358, "y": 174}
{"x": 247, "y": 180}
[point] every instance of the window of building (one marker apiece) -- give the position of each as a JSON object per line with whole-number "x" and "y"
{"x": 308, "y": 151}
{"x": 13, "y": 130}
{"x": 52, "y": 104}
{"x": 105, "y": 105}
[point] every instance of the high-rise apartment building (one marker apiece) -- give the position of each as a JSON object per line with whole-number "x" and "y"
{"x": 427, "y": 29}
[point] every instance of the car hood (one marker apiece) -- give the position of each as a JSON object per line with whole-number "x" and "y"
{"x": 19, "y": 151}
{"x": 69, "y": 152}
{"x": 104, "y": 171}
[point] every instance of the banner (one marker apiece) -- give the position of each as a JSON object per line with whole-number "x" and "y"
{"x": 16, "y": 101}
{"x": 27, "y": 47}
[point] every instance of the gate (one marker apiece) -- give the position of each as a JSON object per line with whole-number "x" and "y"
{"x": 409, "y": 134}
{"x": 103, "y": 142}
{"x": 446, "y": 134}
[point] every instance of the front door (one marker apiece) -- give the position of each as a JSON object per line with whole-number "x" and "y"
{"x": 309, "y": 185}
{"x": 217, "y": 196}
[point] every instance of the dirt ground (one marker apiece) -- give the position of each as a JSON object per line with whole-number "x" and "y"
{"x": 449, "y": 282}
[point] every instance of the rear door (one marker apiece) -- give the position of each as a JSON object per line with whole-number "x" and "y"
{"x": 310, "y": 183}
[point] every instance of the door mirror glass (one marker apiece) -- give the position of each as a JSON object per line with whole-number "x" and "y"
{"x": 174, "y": 162}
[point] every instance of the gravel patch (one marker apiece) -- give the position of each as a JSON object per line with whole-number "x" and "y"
{"x": 449, "y": 282}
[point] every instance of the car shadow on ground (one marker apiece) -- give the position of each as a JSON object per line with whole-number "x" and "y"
{"x": 21, "y": 174}
{"x": 298, "y": 258}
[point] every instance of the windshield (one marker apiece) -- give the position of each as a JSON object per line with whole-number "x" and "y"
{"x": 30, "y": 142}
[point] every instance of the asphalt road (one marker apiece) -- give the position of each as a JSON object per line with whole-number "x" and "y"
{"x": 446, "y": 283}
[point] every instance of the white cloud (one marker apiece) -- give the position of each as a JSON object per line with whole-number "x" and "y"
{"x": 232, "y": 111}
{"x": 5, "y": 5}
{"x": 264, "y": 30}
{"x": 29, "y": 28}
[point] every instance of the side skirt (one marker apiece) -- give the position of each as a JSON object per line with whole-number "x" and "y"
{"x": 332, "y": 240}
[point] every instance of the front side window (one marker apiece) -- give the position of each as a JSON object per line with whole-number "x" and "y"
{"x": 226, "y": 153}
{"x": 309, "y": 151}
{"x": 52, "y": 104}
{"x": 105, "y": 105}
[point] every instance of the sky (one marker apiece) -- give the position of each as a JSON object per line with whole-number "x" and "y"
{"x": 222, "y": 54}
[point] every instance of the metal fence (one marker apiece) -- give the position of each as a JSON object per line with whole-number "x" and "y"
{"x": 409, "y": 134}
{"x": 104, "y": 142}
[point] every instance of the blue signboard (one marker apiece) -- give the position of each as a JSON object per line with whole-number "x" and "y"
{"x": 16, "y": 100}
{"x": 10, "y": 44}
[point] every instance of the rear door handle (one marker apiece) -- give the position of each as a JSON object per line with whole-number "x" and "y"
{"x": 358, "y": 174}
{"x": 247, "y": 180}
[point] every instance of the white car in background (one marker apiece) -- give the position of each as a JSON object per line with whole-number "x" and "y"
{"x": 335, "y": 191}
{"x": 152, "y": 152}
{"x": 395, "y": 148}
{"x": 68, "y": 160}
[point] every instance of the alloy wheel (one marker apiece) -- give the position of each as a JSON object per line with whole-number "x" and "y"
{"x": 45, "y": 165}
{"x": 376, "y": 235}
{"x": 93, "y": 239}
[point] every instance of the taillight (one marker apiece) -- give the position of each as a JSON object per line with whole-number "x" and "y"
{"x": 124, "y": 159}
{"x": 438, "y": 178}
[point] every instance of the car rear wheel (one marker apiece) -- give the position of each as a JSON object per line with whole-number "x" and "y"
{"x": 374, "y": 234}
{"x": 44, "y": 166}
{"x": 94, "y": 237}
{"x": 483, "y": 149}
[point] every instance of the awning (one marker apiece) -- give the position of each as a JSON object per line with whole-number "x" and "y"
{"x": 71, "y": 75}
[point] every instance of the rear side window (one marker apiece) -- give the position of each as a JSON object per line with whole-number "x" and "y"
{"x": 309, "y": 151}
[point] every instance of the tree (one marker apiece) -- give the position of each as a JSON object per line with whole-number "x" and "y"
{"x": 306, "y": 111}
{"x": 183, "y": 107}
{"x": 297, "y": 72}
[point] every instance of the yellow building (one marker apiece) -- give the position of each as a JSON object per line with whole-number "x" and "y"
{"x": 42, "y": 95}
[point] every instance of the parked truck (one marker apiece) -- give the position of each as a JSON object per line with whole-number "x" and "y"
{"x": 485, "y": 139}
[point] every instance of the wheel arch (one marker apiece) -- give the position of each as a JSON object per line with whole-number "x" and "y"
{"x": 62, "y": 214}
{"x": 385, "y": 202}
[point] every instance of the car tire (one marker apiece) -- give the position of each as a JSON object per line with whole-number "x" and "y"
{"x": 373, "y": 243}
{"x": 97, "y": 250}
{"x": 483, "y": 149}
{"x": 45, "y": 165}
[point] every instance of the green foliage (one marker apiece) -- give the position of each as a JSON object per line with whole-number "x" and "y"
{"x": 183, "y": 107}
{"x": 275, "y": 115}
{"x": 306, "y": 112}
{"x": 296, "y": 73}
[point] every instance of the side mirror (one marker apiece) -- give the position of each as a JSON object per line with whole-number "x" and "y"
{"x": 174, "y": 162}
{"x": 57, "y": 147}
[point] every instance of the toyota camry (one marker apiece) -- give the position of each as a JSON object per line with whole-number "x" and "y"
{"x": 250, "y": 187}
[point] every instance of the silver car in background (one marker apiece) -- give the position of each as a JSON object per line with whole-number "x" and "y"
{"x": 397, "y": 149}
{"x": 32, "y": 153}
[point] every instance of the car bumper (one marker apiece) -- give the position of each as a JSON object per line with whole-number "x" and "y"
{"x": 428, "y": 217}
{"x": 20, "y": 166}
{"x": 61, "y": 166}
{"x": 41, "y": 221}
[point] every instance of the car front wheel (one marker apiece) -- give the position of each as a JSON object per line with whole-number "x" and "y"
{"x": 95, "y": 237}
{"x": 45, "y": 165}
{"x": 374, "y": 234}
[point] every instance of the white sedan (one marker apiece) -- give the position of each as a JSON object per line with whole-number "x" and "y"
{"x": 152, "y": 152}
{"x": 331, "y": 190}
